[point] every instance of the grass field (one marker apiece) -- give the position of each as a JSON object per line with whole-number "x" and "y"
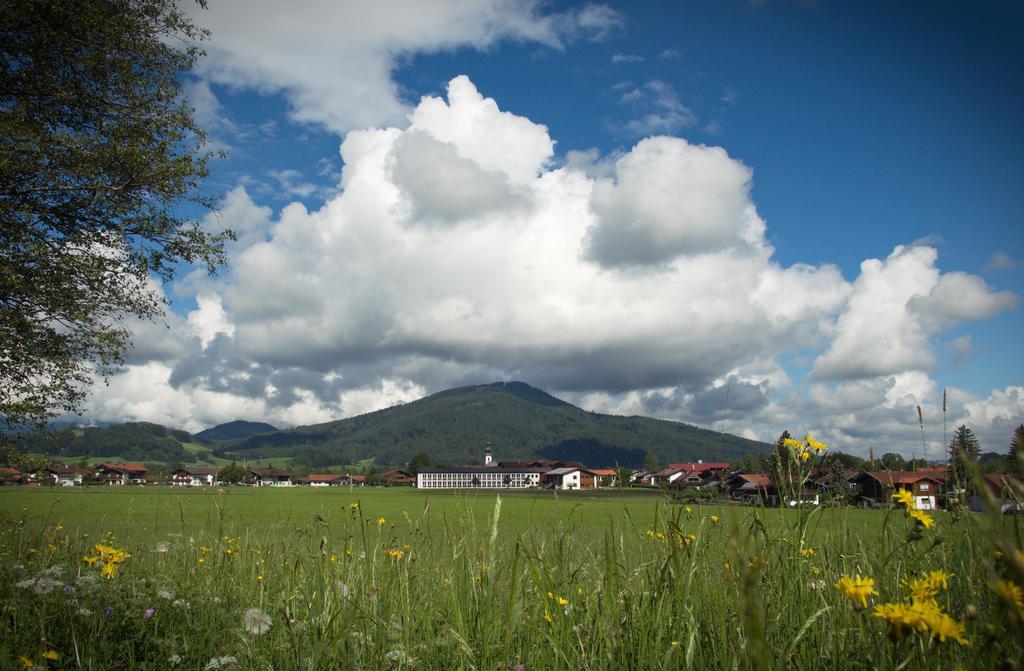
{"x": 399, "y": 578}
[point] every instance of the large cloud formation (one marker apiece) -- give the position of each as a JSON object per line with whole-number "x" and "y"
{"x": 459, "y": 250}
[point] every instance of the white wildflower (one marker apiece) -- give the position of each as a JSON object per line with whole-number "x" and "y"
{"x": 174, "y": 660}
{"x": 86, "y": 580}
{"x": 181, "y": 603}
{"x": 399, "y": 658}
{"x": 161, "y": 547}
{"x": 45, "y": 585}
{"x": 164, "y": 594}
{"x": 344, "y": 589}
{"x": 84, "y": 612}
{"x": 56, "y": 570}
{"x": 28, "y": 583}
{"x": 221, "y": 662}
{"x": 256, "y": 622}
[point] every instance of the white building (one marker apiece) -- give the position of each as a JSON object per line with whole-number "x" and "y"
{"x": 478, "y": 477}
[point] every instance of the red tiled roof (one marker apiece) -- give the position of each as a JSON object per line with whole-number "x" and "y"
{"x": 603, "y": 472}
{"x": 358, "y": 478}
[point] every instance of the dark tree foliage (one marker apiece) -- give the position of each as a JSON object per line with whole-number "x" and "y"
{"x": 1016, "y": 456}
{"x": 419, "y": 462}
{"x": 964, "y": 449}
{"x": 99, "y": 157}
{"x": 231, "y": 474}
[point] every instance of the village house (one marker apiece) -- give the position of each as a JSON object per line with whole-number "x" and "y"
{"x": 605, "y": 477}
{"x": 65, "y": 476}
{"x": 569, "y": 478}
{"x": 325, "y": 479}
{"x": 122, "y": 474}
{"x": 194, "y": 476}
{"x": 397, "y": 476}
{"x": 9, "y": 476}
{"x": 269, "y": 477}
{"x": 879, "y": 486}
{"x": 1002, "y": 489}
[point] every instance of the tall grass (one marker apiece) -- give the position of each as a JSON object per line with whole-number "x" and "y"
{"x": 673, "y": 590}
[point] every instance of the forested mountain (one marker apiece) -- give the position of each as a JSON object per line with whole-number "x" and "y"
{"x": 518, "y": 420}
{"x": 234, "y": 430}
{"x": 134, "y": 441}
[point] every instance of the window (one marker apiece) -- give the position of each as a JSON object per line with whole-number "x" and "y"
{"x": 924, "y": 486}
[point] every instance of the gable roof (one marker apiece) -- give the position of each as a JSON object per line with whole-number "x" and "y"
{"x": 325, "y": 477}
{"x": 900, "y": 477}
{"x": 196, "y": 470}
{"x": 269, "y": 472}
{"x": 603, "y": 472}
{"x": 125, "y": 468}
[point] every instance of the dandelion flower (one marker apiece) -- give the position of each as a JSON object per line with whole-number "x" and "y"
{"x": 807, "y": 552}
{"x": 25, "y": 662}
{"x": 354, "y": 506}
{"x": 381, "y": 521}
{"x": 256, "y": 621}
{"x": 923, "y": 518}
{"x": 1012, "y": 593}
{"x": 51, "y": 655}
{"x": 549, "y": 618}
{"x": 857, "y": 589}
{"x": 905, "y": 497}
{"x": 793, "y": 444}
{"x": 815, "y": 445}
{"x": 687, "y": 510}
{"x": 714, "y": 519}
{"x": 562, "y": 602}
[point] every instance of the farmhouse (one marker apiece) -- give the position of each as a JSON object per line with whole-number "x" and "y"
{"x": 269, "y": 477}
{"x": 65, "y": 476}
{"x": 193, "y": 476}
{"x": 9, "y": 476}
{"x": 879, "y": 486}
{"x": 325, "y": 479}
{"x": 122, "y": 474}
{"x": 397, "y": 476}
{"x": 605, "y": 477}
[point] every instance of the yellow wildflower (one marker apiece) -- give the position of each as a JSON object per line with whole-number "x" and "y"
{"x": 687, "y": 510}
{"x": 25, "y": 662}
{"x": 943, "y": 627}
{"x": 905, "y": 497}
{"x": 548, "y": 617}
{"x": 804, "y": 456}
{"x": 333, "y": 558}
{"x": 674, "y": 643}
{"x": 90, "y": 560}
{"x": 395, "y": 554}
{"x": 938, "y": 579}
{"x": 857, "y": 589}
{"x": 807, "y": 552}
{"x": 562, "y": 602}
{"x": 815, "y": 445}
{"x": 109, "y": 571}
{"x": 714, "y": 519}
{"x": 381, "y": 521}
{"x": 923, "y": 518}
{"x": 52, "y": 655}
{"x": 1012, "y": 593}
{"x": 793, "y": 444}
{"x": 354, "y": 506}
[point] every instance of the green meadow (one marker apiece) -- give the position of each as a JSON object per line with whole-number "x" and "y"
{"x": 155, "y": 578}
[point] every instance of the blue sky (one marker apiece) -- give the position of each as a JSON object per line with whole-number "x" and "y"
{"x": 638, "y": 206}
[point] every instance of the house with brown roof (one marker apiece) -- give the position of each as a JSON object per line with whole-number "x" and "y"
{"x": 122, "y": 474}
{"x": 269, "y": 477}
{"x": 194, "y": 476}
{"x": 9, "y": 476}
{"x": 879, "y": 486}
{"x": 325, "y": 479}
{"x": 397, "y": 476}
{"x": 65, "y": 476}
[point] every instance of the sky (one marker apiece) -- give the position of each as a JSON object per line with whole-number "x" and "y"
{"x": 748, "y": 216}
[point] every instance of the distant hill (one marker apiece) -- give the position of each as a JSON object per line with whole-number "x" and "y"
{"x": 133, "y": 441}
{"x": 519, "y": 421}
{"x": 234, "y": 430}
